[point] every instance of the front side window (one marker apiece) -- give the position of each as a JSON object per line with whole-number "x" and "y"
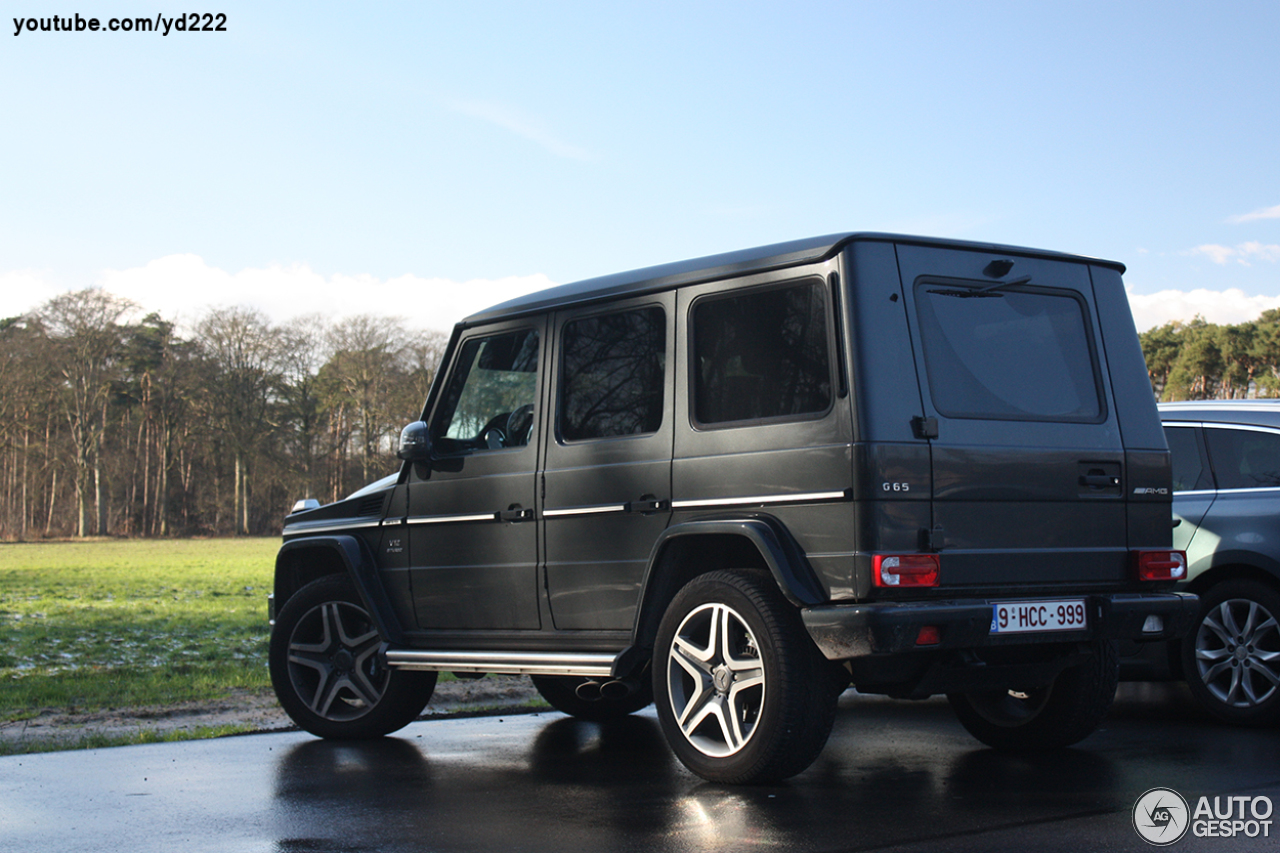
{"x": 489, "y": 401}
{"x": 611, "y": 376}
{"x": 1244, "y": 459}
{"x": 762, "y": 354}
{"x": 1017, "y": 353}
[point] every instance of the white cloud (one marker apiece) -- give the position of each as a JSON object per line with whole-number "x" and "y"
{"x": 520, "y": 124}
{"x": 183, "y": 287}
{"x": 1222, "y": 307}
{"x": 23, "y": 290}
{"x": 1262, "y": 213}
{"x": 1242, "y": 253}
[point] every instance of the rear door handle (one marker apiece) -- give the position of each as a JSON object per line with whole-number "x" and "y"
{"x": 515, "y": 514}
{"x": 647, "y": 505}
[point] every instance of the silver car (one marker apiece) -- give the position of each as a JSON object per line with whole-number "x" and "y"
{"x": 1226, "y": 504}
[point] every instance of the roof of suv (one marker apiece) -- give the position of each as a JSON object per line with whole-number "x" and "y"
{"x": 1258, "y": 412}
{"x": 712, "y": 267}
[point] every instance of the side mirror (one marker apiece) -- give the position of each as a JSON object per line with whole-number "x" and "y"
{"x": 415, "y": 443}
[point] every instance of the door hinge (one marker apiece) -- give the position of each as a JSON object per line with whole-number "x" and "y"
{"x": 924, "y": 427}
{"x": 931, "y": 540}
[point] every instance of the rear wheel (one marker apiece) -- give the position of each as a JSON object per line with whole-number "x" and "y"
{"x": 1231, "y": 661}
{"x": 1060, "y": 714}
{"x": 742, "y": 693}
{"x": 325, "y": 669}
{"x": 561, "y": 693}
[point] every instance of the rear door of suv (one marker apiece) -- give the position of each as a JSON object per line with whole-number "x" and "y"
{"x": 1027, "y": 455}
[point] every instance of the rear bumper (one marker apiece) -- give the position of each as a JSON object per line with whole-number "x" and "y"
{"x": 849, "y": 631}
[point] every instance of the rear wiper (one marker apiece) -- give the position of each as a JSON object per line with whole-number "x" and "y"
{"x": 982, "y": 292}
{"x": 999, "y": 284}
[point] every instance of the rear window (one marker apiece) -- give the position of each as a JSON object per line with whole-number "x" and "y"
{"x": 1017, "y": 353}
{"x": 1244, "y": 458}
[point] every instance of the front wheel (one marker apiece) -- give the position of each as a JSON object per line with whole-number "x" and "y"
{"x": 742, "y": 693}
{"x": 1232, "y": 659}
{"x": 1060, "y": 714}
{"x": 324, "y": 666}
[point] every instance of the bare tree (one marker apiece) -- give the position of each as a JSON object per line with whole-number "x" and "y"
{"x": 84, "y": 332}
{"x": 363, "y": 373}
{"x": 245, "y": 351}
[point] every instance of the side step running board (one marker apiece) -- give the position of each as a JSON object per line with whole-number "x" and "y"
{"x": 505, "y": 663}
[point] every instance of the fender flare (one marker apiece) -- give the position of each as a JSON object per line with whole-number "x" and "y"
{"x": 356, "y": 558}
{"x": 778, "y": 549}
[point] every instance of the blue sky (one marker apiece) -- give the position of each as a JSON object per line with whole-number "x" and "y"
{"x": 427, "y": 159}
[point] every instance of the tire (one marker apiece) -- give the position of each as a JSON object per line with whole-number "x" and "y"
{"x": 1061, "y": 714}
{"x": 324, "y": 667}
{"x": 1231, "y": 659}
{"x": 560, "y": 693}
{"x": 742, "y": 693}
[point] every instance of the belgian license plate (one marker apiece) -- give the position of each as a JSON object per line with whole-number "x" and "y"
{"x": 1020, "y": 617}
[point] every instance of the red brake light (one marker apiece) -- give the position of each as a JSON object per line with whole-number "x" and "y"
{"x": 899, "y": 570}
{"x": 1161, "y": 565}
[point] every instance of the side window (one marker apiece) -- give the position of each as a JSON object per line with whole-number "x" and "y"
{"x": 611, "y": 376}
{"x": 1189, "y": 470}
{"x": 761, "y": 354}
{"x": 1244, "y": 459}
{"x": 489, "y": 401}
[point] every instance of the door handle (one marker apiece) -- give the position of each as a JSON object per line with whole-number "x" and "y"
{"x": 515, "y": 514}
{"x": 1099, "y": 481}
{"x": 648, "y": 505}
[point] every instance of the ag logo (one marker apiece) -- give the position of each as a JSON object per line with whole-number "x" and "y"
{"x": 1161, "y": 816}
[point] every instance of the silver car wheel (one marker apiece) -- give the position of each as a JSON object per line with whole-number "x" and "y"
{"x": 716, "y": 680}
{"x": 332, "y": 664}
{"x": 1237, "y": 653}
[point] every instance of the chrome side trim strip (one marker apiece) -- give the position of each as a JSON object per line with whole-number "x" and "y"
{"x": 326, "y": 526}
{"x": 807, "y": 497}
{"x": 584, "y": 510}
{"x": 505, "y": 663}
{"x": 449, "y": 519}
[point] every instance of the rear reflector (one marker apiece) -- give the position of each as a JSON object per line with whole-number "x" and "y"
{"x": 929, "y": 636}
{"x": 1161, "y": 565}
{"x": 899, "y": 570}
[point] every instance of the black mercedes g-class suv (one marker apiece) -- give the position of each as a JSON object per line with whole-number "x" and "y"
{"x": 738, "y": 484}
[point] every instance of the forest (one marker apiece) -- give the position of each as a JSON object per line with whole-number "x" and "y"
{"x": 115, "y": 423}
{"x": 1204, "y": 361}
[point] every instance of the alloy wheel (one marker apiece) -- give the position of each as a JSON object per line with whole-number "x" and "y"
{"x": 716, "y": 680}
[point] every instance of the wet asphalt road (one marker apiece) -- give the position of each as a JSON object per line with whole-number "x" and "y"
{"x": 895, "y": 776}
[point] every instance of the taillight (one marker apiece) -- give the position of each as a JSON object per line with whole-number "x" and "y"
{"x": 899, "y": 570}
{"x": 1161, "y": 565}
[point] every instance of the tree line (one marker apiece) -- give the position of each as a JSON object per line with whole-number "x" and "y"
{"x": 1197, "y": 360}
{"x": 116, "y": 426}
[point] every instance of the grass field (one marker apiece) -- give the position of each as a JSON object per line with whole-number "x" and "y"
{"x": 87, "y": 626}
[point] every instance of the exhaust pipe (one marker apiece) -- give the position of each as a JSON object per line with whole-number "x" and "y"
{"x": 588, "y": 691}
{"x": 618, "y": 688}
{"x": 611, "y": 690}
